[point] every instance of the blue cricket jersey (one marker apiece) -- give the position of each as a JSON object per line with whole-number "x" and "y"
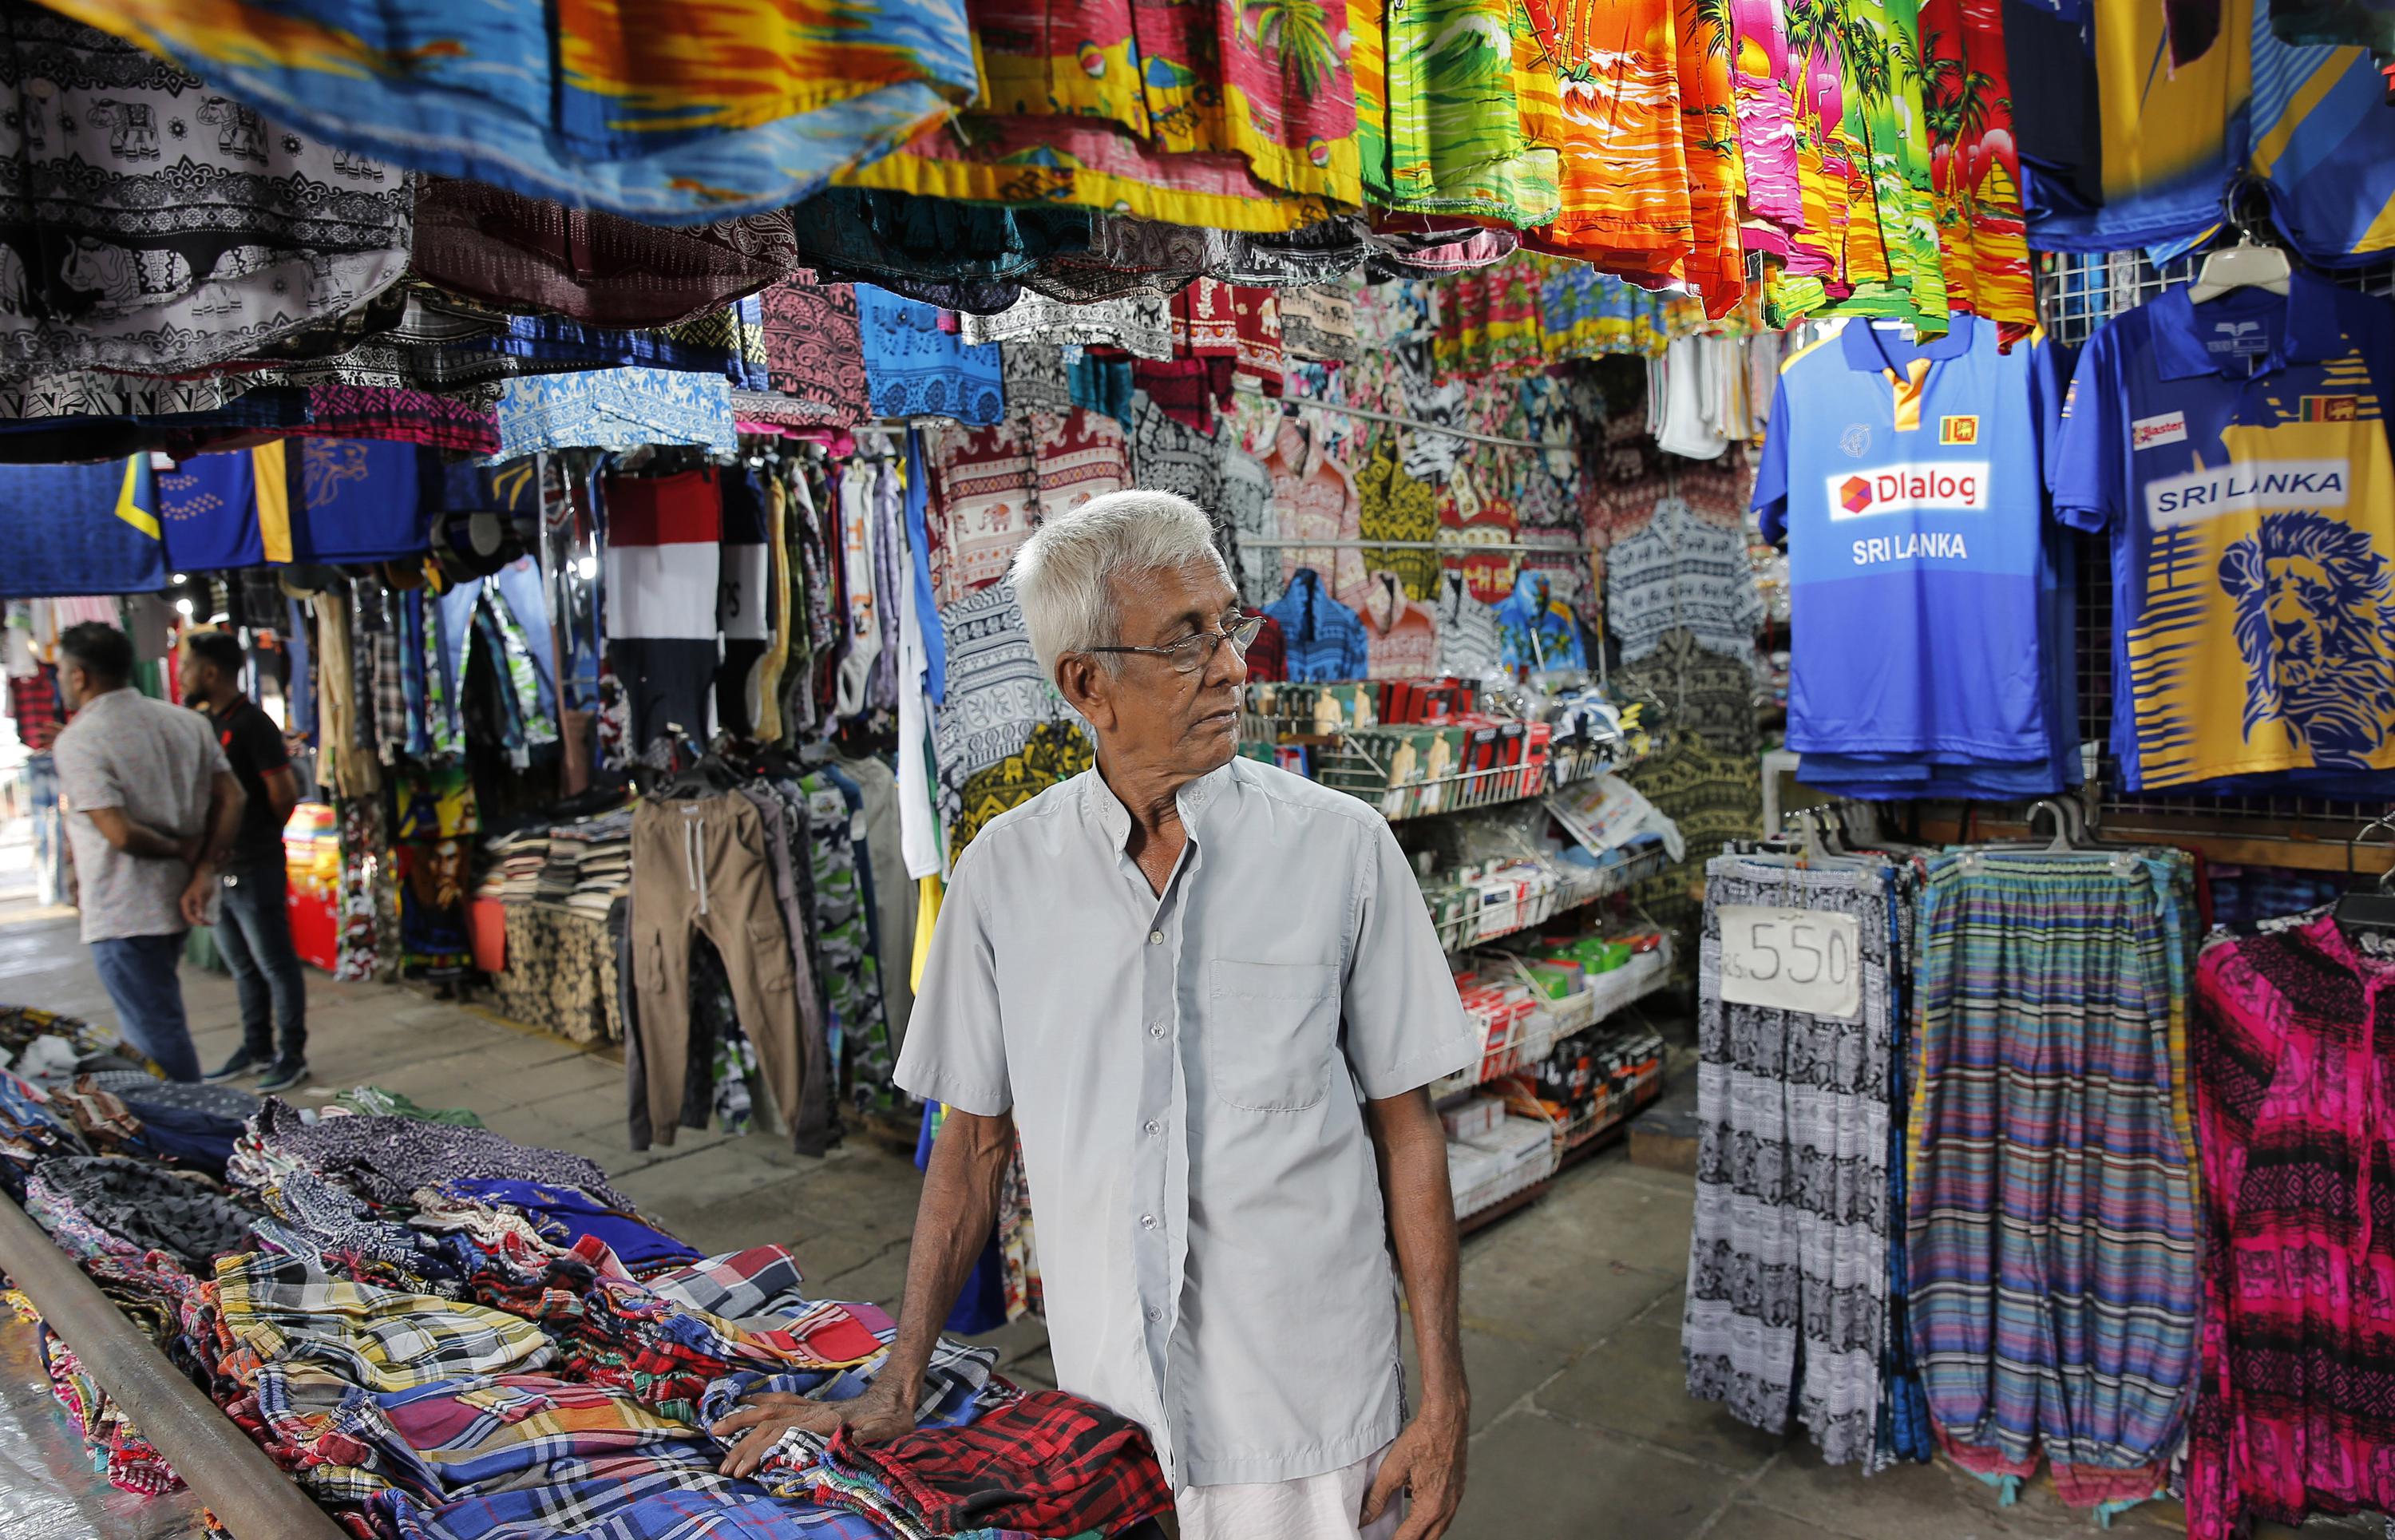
{"x": 1908, "y": 481}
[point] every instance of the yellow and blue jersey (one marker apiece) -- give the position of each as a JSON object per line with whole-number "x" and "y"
{"x": 2237, "y": 451}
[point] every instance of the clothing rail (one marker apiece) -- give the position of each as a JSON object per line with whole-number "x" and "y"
{"x": 1451, "y": 548}
{"x": 1291, "y": 404}
{"x": 248, "y": 1492}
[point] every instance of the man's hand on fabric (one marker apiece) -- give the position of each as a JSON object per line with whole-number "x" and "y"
{"x": 762, "y": 1419}
{"x": 1426, "y": 1463}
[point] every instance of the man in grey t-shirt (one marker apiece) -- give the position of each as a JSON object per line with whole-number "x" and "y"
{"x": 150, "y": 802}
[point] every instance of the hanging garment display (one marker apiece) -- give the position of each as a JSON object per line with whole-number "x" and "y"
{"x": 624, "y": 408}
{"x": 80, "y": 529}
{"x": 1787, "y": 1260}
{"x": 2219, "y": 444}
{"x": 915, "y": 367}
{"x": 2289, "y": 1041}
{"x": 1538, "y": 632}
{"x": 698, "y": 865}
{"x": 1004, "y": 735}
{"x": 1935, "y": 652}
{"x": 2052, "y": 1215}
{"x": 627, "y": 112}
{"x": 149, "y": 224}
{"x": 520, "y": 253}
{"x": 663, "y": 561}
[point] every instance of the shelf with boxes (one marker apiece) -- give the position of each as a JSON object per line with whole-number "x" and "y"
{"x": 1421, "y": 748}
{"x": 1484, "y": 903}
{"x": 1555, "y": 1078}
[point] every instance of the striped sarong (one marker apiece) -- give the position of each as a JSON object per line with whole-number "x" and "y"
{"x": 2051, "y": 1212}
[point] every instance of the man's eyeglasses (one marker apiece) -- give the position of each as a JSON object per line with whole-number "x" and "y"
{"x": 1193, "y": 654}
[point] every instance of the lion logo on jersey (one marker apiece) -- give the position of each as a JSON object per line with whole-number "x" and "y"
{"x": 2316, "y": 624}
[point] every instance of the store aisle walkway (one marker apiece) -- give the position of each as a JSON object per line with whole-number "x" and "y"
{"x": 1571, "y": 1307}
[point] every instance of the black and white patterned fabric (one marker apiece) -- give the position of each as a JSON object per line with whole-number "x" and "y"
{"x": 1787, "y": 1260}
{"x": 146, "y": 1206}
{"x": 149, "y": 224}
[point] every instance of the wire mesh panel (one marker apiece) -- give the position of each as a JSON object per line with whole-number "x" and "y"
{"x": 2077, "y": 293}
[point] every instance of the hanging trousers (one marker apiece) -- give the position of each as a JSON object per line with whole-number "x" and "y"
{"x": 702, "y": 865}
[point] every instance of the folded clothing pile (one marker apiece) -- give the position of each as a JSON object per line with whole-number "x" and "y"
{"x": 431, "y": 1329}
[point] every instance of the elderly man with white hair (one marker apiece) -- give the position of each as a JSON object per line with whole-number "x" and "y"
{"x": 1207, "y": 994}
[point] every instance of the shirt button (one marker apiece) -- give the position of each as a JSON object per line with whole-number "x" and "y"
{"x": 1156, "y": 1030}
{"x": 1154, "y": 1127}
{"x": 1154, "y": 1313}
{"x": 1156, "y": 938}
{"x": 1148, "y": 1221}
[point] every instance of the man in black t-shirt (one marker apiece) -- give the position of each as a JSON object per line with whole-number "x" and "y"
{"x": 253, "y": 925}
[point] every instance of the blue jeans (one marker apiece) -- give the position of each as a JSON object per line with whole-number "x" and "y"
{"x": 254, "y": 933}
{"x": 139, "y": 971}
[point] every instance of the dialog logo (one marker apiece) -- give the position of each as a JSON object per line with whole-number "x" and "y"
{"x": 2144, "y": 432}
{"x": 1950, "y": 486}
{"x": 2257, "y": 486}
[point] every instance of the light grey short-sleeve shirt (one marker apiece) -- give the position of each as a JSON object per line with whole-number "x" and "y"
{"x": 1184, "y": 1072}
{"x": 156, "y": 760}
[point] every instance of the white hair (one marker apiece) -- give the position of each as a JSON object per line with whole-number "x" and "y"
{"x": 1064, "y": 574}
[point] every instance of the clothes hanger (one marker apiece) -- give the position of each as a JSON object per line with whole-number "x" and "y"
{"x": 2369, "y": 911}
{"x": 2248, "y": 264}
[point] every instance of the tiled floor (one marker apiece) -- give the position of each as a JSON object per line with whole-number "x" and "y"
{"x": 1570, "y": 1307}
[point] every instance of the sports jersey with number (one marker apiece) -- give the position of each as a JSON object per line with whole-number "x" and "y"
{"x": 2237, "y": 451}
{"x": 1907, "y": 480}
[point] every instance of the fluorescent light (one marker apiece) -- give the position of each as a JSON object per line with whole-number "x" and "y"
{"x": 180, "y": 580}
{"x": 587, "y": 568}
{"x": 184, "y": 605}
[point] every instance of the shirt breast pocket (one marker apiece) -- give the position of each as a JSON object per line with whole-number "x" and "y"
{"x": 1271, "y": 1032}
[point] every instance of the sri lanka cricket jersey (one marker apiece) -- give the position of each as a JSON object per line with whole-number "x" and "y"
{"x": 1907, "y": 479}
{"x": 2237, "y": 451}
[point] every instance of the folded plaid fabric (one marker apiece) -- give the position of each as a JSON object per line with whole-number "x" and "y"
{"x": 1044, "y": 1462}
{"x": 289, "y": 1309}
{"x": 522, "y": 1457}
{"x": 956, "y": 1384}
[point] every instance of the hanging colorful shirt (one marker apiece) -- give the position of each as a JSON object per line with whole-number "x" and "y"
{"x": 1456, "y": 139}
{"x": 1974, "y": 170}
{"x": 633, "y": 106}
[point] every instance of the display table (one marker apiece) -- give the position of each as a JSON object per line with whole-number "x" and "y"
{"x": 561, "y": 973}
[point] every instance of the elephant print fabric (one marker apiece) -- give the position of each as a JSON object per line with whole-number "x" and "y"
{"x": 149, "y": 224}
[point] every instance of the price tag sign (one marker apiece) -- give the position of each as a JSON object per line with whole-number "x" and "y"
{"x": 1792, "y": 960}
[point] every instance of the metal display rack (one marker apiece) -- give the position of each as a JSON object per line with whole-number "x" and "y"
{"x": 1574, "y": 888}
{"x": 1535, "y": 1035}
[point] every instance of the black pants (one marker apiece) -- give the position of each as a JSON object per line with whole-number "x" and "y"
{"x": 254, "y": 933}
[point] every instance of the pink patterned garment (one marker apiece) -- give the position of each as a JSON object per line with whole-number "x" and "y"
{"x": 409, "y": 417}
{"x": 2291, "y": 1037}
{"x": 814, "y": 352}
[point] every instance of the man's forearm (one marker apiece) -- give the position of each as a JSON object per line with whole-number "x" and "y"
{"x": 953, "y": 1224}
{"x": 226, "y": 801}
{"x": 1412, "y": 1151}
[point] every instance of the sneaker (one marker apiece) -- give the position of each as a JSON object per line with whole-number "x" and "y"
{"x": 283, "y": 1077}
{"x": 240, "y": 1067}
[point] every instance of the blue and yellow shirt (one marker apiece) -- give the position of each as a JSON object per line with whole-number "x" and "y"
{"x": 2237, "y": 451}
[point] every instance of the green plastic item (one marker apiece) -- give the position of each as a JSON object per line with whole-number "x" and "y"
{"x": 373, "y": 1101}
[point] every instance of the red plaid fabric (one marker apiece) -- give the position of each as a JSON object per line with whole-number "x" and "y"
{"x": 1045, "y": 1463}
